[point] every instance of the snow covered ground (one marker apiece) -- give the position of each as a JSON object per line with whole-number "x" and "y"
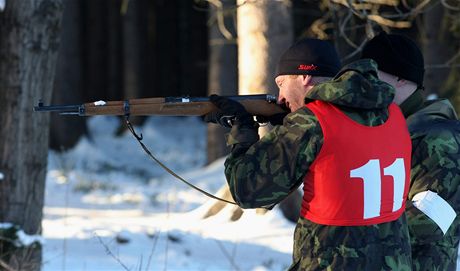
{"x": 109, "y": 207}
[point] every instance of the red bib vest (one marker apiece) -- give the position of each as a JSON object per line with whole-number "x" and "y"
{"x": 361, "y": 175}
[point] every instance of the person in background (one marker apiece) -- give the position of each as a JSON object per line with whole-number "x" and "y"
{"x": 346, "y": 143}
{"x": 434, "y": 205}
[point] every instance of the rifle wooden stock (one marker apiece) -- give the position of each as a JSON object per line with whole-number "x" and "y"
{"x": 257, "y": 105}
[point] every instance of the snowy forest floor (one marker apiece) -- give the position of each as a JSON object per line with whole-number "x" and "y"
{"x": 109, "y": 207}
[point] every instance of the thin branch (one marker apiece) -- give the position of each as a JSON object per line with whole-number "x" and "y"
{"x": 450, "y": 61}
{"x": 354, "y": 27}
{"x": 353, "y": 6}
{"x": 441, "y": 66}
{"x": 447, "y": 64}
{"x": 354, "y": 9}
{"x": 387, "y": 22}
{"x": 6, "y": 266}
{"x": 342, "y": 31}
{"x": 227, "y": 255}
{"x": 319, "y": 28}
{"x": 392, "y": 3}
{"x": 156, "y": 237}
{"x": 448, "y": 6}
{"x": 109, "y": 252}
{"x": 220, "y": 19}
{"x": 168, "y": 212}
{"x": 196, "y": 6}
{"x": 368, "y": 27}
{"x": 355, "y": 52}
{"x": 405, "y": 4}
{"x": 367, "y": 4}
{"x": 417, "y": 10}
{"x": 140, "y": 264}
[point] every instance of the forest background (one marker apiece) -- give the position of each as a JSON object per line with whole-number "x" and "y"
{"x": 74, "y": 51}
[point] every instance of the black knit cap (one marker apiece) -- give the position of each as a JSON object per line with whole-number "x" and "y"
{"x": 309, "y": 56}
{"x": 396, "y": 54}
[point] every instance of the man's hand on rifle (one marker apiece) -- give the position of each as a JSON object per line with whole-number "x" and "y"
{"x": 230, "y": 113}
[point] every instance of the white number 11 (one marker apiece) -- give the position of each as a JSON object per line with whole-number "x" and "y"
{"x": 370, "y": 174}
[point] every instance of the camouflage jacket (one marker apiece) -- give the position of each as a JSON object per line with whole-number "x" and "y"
{"x": 262, "y": 172}
{"x": 435, "y": 134}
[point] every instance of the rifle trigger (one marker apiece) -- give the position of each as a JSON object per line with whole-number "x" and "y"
{"x": 227, "y": 120}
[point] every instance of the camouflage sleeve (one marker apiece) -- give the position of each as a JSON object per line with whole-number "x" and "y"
{"x": 262, "y": 173}
{"x": 435, "y": 167}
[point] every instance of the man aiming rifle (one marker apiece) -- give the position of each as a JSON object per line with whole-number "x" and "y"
{"x": 346, "y": 143}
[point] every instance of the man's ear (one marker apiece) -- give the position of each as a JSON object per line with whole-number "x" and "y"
{"x": 306, "y": 79}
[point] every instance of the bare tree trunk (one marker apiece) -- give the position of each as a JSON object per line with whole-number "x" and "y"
{"x": 114, "y": 63}
{"x": 95, "y": 49}
{"x": 223, "y": 69}
{"x": 435, "y": 48}
{"x": 29, "y": 39}
{"x": 135, "y": 49}
{"x": 450, "y": 87}
{"x": 135, "y": 52}
{"x": 68, "y": 83}
{"x": 181, "y": 55}
{"x": 264, "y": 31}
{"x": 222, "y": 80}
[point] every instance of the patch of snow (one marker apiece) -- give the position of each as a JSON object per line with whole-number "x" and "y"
{"x": 5, "y": 225}
{"x": 25, "y": 239}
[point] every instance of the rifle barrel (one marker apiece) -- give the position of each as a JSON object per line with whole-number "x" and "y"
{"x": 61, "y": 109}
{"x": 160, "y": 106}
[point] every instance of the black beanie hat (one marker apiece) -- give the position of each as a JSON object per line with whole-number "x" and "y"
{"x": 309, "y": 56}
{"x": 396, "y": 54}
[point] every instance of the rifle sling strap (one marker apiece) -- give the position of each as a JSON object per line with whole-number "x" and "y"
{"x": 139, "y": 139}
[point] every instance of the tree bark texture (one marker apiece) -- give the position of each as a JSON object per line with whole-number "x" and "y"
{"x": 29, "y": 39}
{"x": 135, "y": 49}
{"x": 436, "y": 49}
{"x": 135, "y": 52}
{"x": 264, "y": 31}
{"x": 95, "y": 47}
{"x": 180, "y": 50}
{"x": 68, "y": 84}
{"x": 223, "y": 68}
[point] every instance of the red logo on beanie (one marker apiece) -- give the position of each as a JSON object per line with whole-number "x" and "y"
{"x": 305, "y": 67}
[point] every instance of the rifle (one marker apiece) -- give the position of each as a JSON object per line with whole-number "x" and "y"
{"x": 257, "y": 105}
